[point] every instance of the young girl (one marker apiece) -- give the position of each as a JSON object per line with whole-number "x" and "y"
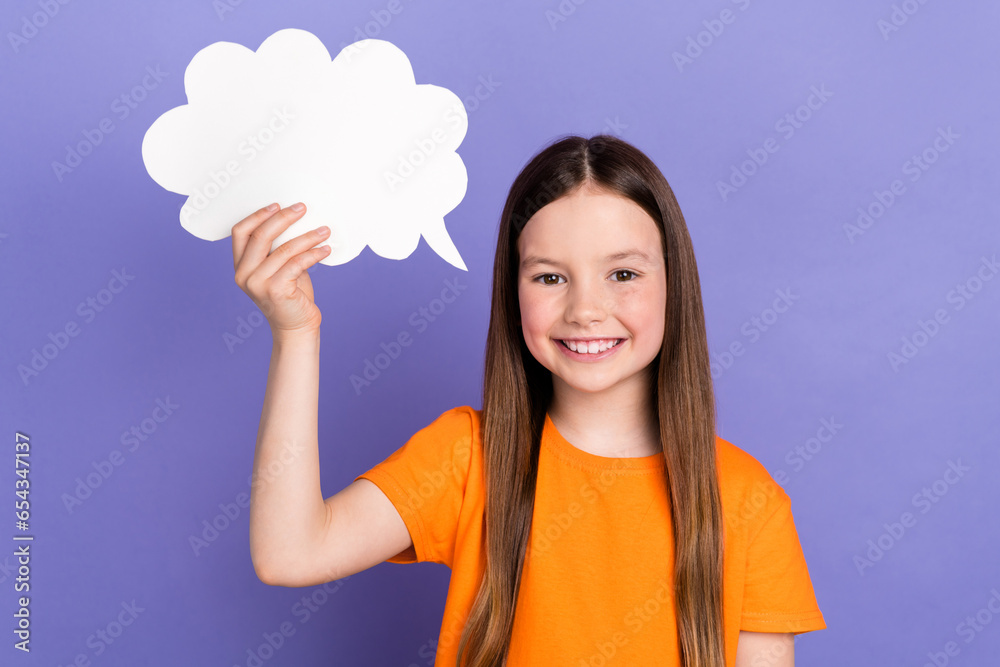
{"x": 589, "y": 513}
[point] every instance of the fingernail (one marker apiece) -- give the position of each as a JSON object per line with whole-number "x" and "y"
{"x": 298, "y": 207}
{"x": 272, "y": 208}
{"x": 323, "y": 231}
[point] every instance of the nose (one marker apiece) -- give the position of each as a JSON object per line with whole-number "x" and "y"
{"x": 586, "y": 303}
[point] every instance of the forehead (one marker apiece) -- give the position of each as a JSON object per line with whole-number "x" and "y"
{"x": 588, "y": 225}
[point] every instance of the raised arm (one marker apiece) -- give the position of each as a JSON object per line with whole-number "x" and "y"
{"x": 296, "y": 537}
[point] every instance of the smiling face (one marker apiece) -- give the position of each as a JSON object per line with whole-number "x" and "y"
{"x": 592, "y": 289}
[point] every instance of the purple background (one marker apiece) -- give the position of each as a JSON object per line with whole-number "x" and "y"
{"x": 606, "y": 67}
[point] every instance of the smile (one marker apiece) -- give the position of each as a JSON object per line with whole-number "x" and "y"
{"x": 591, "y": 346}
{"x": 595, "y": 348}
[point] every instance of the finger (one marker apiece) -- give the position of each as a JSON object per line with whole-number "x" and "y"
{"x": 261, "y": 237}
{"x": 288, "y": 251}
{"x": 297, "y": 264}
{"x": 241, "y": 230}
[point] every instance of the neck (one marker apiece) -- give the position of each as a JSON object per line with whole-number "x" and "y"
{"x": 620, "y": 421}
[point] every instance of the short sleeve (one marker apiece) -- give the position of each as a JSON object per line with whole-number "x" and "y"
{"x": 778, "y": 594}
{"x": 425, "y": 480}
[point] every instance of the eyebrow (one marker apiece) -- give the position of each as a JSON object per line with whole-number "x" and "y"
{"x": 632, "y": 253}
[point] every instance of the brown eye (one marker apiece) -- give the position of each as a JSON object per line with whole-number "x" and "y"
{"x": 545, "y": 279}
{"x": 630, "y": 274}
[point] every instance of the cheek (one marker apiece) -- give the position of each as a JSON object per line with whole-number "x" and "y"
{"x": 536, "y": 322}
{"x": 645, "y": 317}
{"x": 532, "y": 314}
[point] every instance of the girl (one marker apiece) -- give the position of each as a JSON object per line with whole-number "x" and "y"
{"x": 589, "y": 513}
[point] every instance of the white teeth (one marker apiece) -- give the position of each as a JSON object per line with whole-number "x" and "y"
{"x": 591, "y": 347}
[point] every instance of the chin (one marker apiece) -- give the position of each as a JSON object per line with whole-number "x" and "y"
{"x": 589, "y": 386}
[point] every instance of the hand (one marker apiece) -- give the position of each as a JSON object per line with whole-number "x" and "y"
{"x": 277, "y": 281}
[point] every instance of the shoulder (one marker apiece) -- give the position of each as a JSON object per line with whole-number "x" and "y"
{"x": 461, "y": 414}
{"x": 737, "y": 467}
{"x": 456, "y": 430}
{"x": 451, "y": 436}
{"x": 462, "y": 422}
{"x": 749, "y": 493}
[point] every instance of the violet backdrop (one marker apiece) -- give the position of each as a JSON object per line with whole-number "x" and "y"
{"x": 890, "y": 333}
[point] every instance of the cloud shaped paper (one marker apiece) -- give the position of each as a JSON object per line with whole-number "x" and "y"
{"x": 370, "y": 152}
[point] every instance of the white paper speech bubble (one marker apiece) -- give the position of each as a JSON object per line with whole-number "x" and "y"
{"x": 369, "y": 151}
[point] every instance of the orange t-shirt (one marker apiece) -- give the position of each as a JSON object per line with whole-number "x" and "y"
{"x": 597, "y": 577}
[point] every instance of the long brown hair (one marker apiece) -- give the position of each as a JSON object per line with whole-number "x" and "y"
{"x": 517, "y": 391}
